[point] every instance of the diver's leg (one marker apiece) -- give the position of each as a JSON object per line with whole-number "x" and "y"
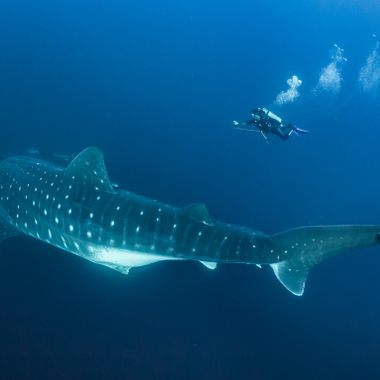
{"x": 283, "y": 133}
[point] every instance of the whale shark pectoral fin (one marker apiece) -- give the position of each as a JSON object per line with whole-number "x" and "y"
{"x": 6, "y": 228}
{"x": 198, "y": 213}
{"x": 121, "y": 269}
{"x": 292, "y": 274}
{"x": 208, "y": 264}
{"x": 88, "y": 168}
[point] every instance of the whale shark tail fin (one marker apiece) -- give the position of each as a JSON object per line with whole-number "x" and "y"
{"x": 308, "y": 246}
{"x": 292, "y": 274}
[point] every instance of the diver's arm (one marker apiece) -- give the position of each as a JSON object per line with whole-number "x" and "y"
{"x": 245, "y": 126}
{"x": 242, "y": 123}
{"x": 248, "y": 122}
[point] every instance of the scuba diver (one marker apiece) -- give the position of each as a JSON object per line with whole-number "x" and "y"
{"x": 267, "y": 122}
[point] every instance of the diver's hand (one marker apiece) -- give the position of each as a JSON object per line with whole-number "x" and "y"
{"x": 235, "y": 122}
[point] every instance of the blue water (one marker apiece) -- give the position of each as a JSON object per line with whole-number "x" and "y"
{"x": 156, "y": 85}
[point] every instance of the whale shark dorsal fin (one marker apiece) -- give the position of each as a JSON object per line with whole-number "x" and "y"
{"x": 198, "y": 213}
{"x": 88, "y": 167}
{"x": 292, "y": 274}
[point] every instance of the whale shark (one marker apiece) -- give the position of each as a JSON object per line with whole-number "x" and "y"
{"x": 76, "y": 208}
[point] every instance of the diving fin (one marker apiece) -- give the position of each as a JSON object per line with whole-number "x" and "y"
{"x": 299, "y": 131}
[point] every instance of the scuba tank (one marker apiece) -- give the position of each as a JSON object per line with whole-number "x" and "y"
{"x": 272, "y": 116}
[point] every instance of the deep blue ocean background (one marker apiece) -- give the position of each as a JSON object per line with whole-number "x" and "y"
{"x": 155, "y": 85}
